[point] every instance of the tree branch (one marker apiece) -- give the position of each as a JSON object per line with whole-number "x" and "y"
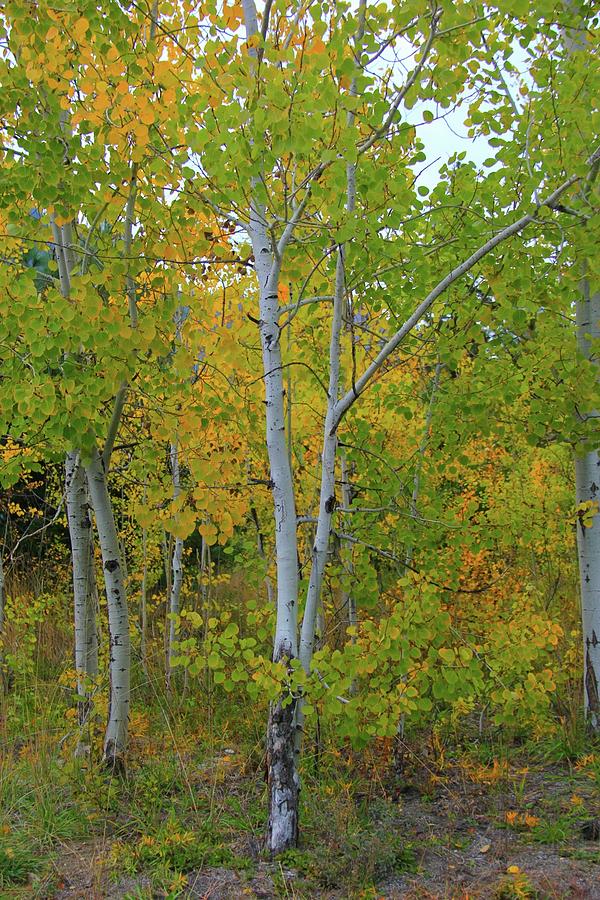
{"x": 382, "y": 130}
{"x": 362, "y": 383}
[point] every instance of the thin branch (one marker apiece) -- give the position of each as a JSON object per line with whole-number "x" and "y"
{"x": 289, "y": 228}
{"x": 115, "y": 419}
{"x": 383, "y": 129}
{"x": 299, "y": 303}
{"x": 361, "y": 384}
{"x": 265, "y": 22}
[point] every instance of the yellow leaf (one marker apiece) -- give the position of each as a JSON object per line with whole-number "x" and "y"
{"x": 80, "y": 28}
{"x": 147, "y": 116}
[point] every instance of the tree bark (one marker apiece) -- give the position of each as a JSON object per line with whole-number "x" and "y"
{"x": 587, "y": 478}
{"x": 80, "y": 532}
{"x": 115, "y": 738}
{"x": 177, "y": 571}
{"x": 143, "y": 619}
{"x": 587, "y": 466}
{"x": 327, "y": 498}
{"x": 283, "y": 781}
{"x": 282, "y": 778}
{"x": 348, "y": 599}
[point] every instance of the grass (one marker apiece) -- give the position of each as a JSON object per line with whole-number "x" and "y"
{"x": 195, "y": 798}
{"x": 18, "y": 861}
{"x": 172, "y": 850}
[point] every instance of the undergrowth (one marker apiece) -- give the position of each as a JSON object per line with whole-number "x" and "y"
{"x": 194, "y": 798}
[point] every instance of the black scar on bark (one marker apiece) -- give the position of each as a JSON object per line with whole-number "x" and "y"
{"x": 114, "y": 760}
{"x": 282, "y": 777}
{"x": 591, "y": 682}
{"x": 111, "y": 565}
{"x": 281, "y": 770}
{"x": 329, "y": 504}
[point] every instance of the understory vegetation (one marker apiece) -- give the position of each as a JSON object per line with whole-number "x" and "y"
{"x": 463, "y": 803}
{"x": 299, "y": 449}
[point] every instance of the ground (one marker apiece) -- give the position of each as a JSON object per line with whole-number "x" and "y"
{"x": 461, "y": 829}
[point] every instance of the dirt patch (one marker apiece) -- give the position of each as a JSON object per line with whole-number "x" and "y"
{"x": 223, "y": 884}
{"x": 81, "y": 873}
{"x": 464, "y": 832}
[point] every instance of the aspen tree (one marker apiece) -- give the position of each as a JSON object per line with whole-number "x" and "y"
{"x": 587, "y": 464}
{"x": 273, "y": 237}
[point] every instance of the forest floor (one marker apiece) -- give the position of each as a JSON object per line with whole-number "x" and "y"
{"x": 469, "y": 825}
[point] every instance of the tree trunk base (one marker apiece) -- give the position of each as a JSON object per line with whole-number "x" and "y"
{"x": 114, "y": 761}
{"x": 283, "y": 781}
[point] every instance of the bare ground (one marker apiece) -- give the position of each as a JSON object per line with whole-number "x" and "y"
{"x": 462, "y": 843}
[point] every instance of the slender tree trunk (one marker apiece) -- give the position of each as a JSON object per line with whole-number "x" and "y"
{"x": 177, "y": 570}
{"x": 80, "y": 532}
{"x": 91, "y": 628}
{"x": 205, "y": 577}
{"x": 115, "y": 739}
{"x": 260, "y": 546}
{"x": 327, "y": 498}
{"x": 143, "y": 604}
{"x": 587, "y": 466}
{"x": 283, "y": 781}
{"x": 348, "y": 599}
{"x": 167, "y": 543}
{"x": 587, "y": 477}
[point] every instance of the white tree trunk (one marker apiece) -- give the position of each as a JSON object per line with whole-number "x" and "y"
{"x": 283, "y": 782}
{"x": 91, "y": 627}
{"x": 80, "y": 532}
{"x": 177, "y": 571}
{"x": 260, "y": 546}
{"x": 282, "y": 831}
{"x": 144, "y": 604}
{"x": 327, "y": 498}
{"x": 587, "y": 467}
{"x": 348, "y": 598}
{"x": 115, "y": 738}
{"x": 587, "y": 476}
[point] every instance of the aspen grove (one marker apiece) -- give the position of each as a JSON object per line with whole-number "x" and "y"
{"x": 300, "y": 332}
